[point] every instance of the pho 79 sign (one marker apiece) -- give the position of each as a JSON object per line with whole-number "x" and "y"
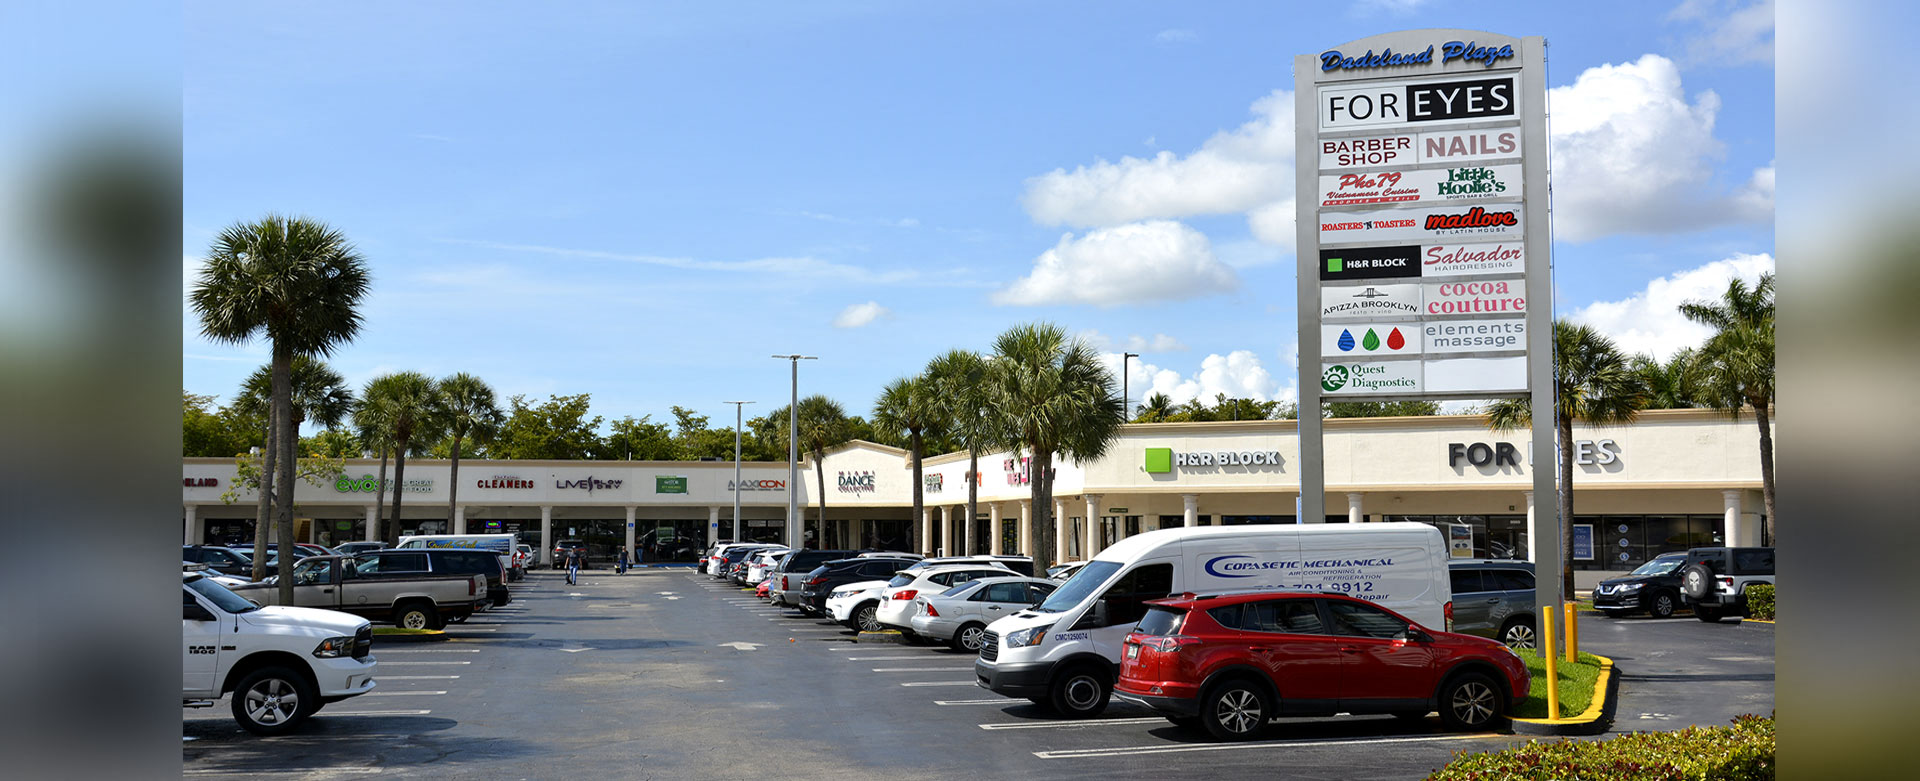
{"x": 1422, "y": 186}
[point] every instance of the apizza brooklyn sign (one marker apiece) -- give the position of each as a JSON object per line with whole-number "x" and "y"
{"x": 1503, "y": 221}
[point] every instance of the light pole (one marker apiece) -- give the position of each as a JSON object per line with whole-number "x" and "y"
{"x": 793, "y": 453}
{"x": 737, "y": 407}
{"x": 1126, "y": 392}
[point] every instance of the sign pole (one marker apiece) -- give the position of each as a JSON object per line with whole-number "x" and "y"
{"x": 1313, "y": 479}
{"x": 1546, "y": 546}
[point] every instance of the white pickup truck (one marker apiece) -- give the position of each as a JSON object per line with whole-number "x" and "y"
{"x": 280, "y": 663}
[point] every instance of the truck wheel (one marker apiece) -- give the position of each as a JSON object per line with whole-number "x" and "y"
{"x": 414, "y": 615}
{"x": 1080, "y": 692}
{"x": 1662, "y": 605}
{"x": 1517, "y": 634}
{"x": 273, "y": 700}
{"x": 1711, "y": 615}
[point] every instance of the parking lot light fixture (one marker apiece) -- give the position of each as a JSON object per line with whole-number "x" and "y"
{"x": 737, "y": 407}
{"x": 793, "y": 451}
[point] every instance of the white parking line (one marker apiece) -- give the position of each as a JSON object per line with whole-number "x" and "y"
{"x": 887, "y": 658}
{"x": 401, "y": 664}
{"x": 922, "y": 669}
{"x": 1127, "y": 751}
{"x": 414, "y": 677}
{"x": 940, "y": 683}
{"x": 252, "y": 773}
{"x": 1075, "y": 723}
{"x": 994, "y": 701}
{"x": 373, "y": 713}
{"x": 465, "y": 629}
{"x": 403, "y": 694}
{"x": 430, "y": 651}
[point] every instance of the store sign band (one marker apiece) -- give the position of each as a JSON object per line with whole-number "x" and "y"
{"x": 1458, "y": 297}
{"x": 1431, "y": 224}
{"x": 1415, "y": 260}
{"x": 1427, "y": 185}
{"x": 1348, "y": 341}
{"x": 1406, "y": 150}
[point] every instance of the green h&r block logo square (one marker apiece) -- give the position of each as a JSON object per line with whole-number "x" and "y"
{"x": 1334, "y": 265}
{"x": 1159, "y": 460}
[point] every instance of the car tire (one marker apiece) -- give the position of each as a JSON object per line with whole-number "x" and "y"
{"x": 1235, "y": 709}
{"x": 1711, "y": 615}
{"x": 1080, "y": 692}
{"x": 416, "y": 615}
{"x": 1662, "y": 604}
{"x": 1471, "y": 701}
{"x": 273, "y": 700}
{"x": 969, "y": 638}
{"x": 866, "y": 618}
{"x": 1518, "y": 634}
{"x": 1696, "y": 581}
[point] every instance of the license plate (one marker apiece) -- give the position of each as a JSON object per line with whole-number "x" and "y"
{"x": 1133, "y": 652}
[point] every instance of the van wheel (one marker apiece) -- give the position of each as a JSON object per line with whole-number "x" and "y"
{"x": 273, "y": 700}
{"x": 969, "y": 638}
{"x": 416, "y": 616}
{"x": 1080, "y": 693}
{"x": 1470, "y": 701}
{"x": 1518, "y": 634}
{"x": 1235, "y": 710}
{"x": 1663, "y": 605}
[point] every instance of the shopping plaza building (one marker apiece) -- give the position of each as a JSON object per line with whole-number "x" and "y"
{"x": 1672, "y": 480}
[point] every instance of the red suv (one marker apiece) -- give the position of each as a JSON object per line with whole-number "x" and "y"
{"x": 1231, "y": 663}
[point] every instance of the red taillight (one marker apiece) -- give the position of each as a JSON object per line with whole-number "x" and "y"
{"x": 783, "y": 583}
{"x": 908, "y": 594}
{"x": 932, "y": 613}
{"x": 1169, "y": 643}
{"x": 470, "y": 589}
{"x": 1448, "y": 612}
{"x": 817, "y": 581}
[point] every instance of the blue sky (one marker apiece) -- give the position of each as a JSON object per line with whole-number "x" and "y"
{"x": 643, "y": 201}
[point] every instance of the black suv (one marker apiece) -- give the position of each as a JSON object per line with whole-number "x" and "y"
{"x": 1653, "y": 587}
{"x": 1714, "y": 581}
{"x": 462, "y": 562}
{"x": 219, "y": 560}
{"x": 821, "y": 582}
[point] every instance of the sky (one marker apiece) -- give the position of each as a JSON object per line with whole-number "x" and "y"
{"x": 645, "y": 201}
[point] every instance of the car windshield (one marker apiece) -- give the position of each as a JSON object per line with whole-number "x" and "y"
{"x": 900, "y": 580}
{"x": 1083, "y": 584}
{"x": 1660, "y": 566}
{"x": 226, "y": 600}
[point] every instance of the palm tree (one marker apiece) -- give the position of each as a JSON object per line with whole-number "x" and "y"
{"x": 471, "y": 411}
{"x": 1053, "y": 396}
{"x": 373, "y": 425}
{"x": 822, "y": 424}
{"x": 1593, "y": 384}
{"x": 319, "y": 394}
{"x": 301, "y": 283}
{"x": 1157, "y": 409}
{"x": 966, "y": 405}
{"x": 1680, "y": 383}
{"x": 1739, "y": 358}
{"x": 415, "y": 415}
{"x": 909, "y": 405}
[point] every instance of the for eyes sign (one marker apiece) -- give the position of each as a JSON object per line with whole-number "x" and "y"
{"x": 1409, "y": 103}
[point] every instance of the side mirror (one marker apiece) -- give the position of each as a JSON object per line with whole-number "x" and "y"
{"x": 1418, "y": 635}
{"x": 1099, "y": 613}
{"x": 194, "y": 612}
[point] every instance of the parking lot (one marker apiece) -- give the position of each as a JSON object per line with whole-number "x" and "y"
{"x": 671, "y": 674}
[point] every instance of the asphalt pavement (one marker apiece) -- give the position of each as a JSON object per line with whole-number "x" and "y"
{"x": 670, "y": 674}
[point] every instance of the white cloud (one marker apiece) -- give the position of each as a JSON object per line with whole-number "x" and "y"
{"x": 1649, "y": 321}
{"x": 860, "y": 314}
{"x": 1631, "y": 155}
{"x": 1160, "y": 260}
{"x": 1730, "y": 34}
{"x": 1397, "y": 7}
{"x": 1176, "y": 35}
{"x": 1158, "y": 343}
{"x": 1234, "y": 171}
{"x": 1239, "y": 374}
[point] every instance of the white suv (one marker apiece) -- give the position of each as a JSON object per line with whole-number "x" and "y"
{"x": 280, "y": 663}
{"x": 896, "y": 601}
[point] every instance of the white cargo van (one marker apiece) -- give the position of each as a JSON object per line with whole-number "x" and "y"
{"x": 1066, "y": 650}
{"x": 500, "y": 544}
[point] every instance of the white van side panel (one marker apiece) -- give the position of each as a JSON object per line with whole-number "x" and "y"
{"x": 1404, "y": 570}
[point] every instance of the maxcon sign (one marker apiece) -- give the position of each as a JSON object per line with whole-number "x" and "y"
{"x": 1422, "y": 233}
{"x": 1164, "y": 460}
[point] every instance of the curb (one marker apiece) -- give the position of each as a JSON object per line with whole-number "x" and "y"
{"x": 1597, "y": 718}
{"x": 888, "y": 636}
{"x": 1755, "y": 621}
{"x": 434, "y": 637}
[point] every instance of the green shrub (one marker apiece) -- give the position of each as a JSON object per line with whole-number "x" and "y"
{"x": 1742, "y": 752}
{"x": 1760, "y": 601}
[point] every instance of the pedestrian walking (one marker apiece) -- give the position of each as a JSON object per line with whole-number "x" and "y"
{"x": 574, "y": 555}
{"x": 622, "y": 569}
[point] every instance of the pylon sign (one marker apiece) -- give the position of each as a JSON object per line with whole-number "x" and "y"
{"x": 1422, "y": 214}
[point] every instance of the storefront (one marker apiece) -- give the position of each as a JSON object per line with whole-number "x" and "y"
{"x": 1672, "y": 480}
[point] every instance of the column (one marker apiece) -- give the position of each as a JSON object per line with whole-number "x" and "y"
{"x": 546, "y": 534}
{"x": 373, "y": 523}
{"x": 1190, "y": 510}
{"x": 1354, "y": 514}
{"x": 946, "y": 530}
{"x": 192, "y": 533}
{"x": 1092, "y": 545}
{"x": 1739, "y": 533}
{"x": 994, "y": 531}
{"x": 1061, "y": 531}
{"x": 1026, "y": 530}
{"x": 1535, "y": 546}
{"x": 713, "y": 526}
{"x": 926, "y": 531}
{"x": 633, "y": 554}
{"x": 459, "y": 519}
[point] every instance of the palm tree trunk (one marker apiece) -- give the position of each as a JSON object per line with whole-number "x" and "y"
{"x": 973, "y": 500}
{"x": 1564, "y": 457}
{"x": 380, "y": 499}
{"x": 265, "y": 514}
{"x": 1766, "y": 467}
{"x": 919, "y": 501}
{"x": 453, "y": 490}
{"x": 1041, "y": 489}
{"x": 399, "y": 487}
{"x": 284, "y": 438}
{"x": 820, "y": 524}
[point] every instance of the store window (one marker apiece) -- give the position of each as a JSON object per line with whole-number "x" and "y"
{"x": 1173, "y": 521}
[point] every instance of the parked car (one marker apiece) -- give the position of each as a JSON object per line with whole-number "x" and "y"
{"x": 1022, "y": 565}
{"x": 219, "y": 560}
{"x": 350, "y": 548}
{"x": 760, "y": 564}
{"x": 484, "y": 563}
{"x": 761, "y": 590}
{"x": 1653, "y": 587}
{"x": 1231, "y": 663}
{"x": 854, "y": 605}
{"x": 959, "y": 616}
{"x": 896, "y": 602}
{"x": 281, "y": 664}
{"x": 1064, "y": 570}
{"x": 825, "y": 578}
{"x": 724, "y": 556}
{"x": 397, "y": 587}
{"x": 560, "y": 553}
{"x": 497, "y": 545}
{"x": 889, "y": 554}
{"x": 1714, "y": 581}
{"x": 790, "y": 575}
{"x": 1493, "y": 598}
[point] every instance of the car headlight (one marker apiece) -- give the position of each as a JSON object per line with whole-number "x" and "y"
{"x": 334, "y": 647}
{"x": 1027, "y": 638}
{"x": 1628, "y": 587}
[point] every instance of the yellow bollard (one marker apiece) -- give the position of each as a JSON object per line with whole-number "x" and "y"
{"x": 1573, "y": 632}
{"x": 1552, "y": 656}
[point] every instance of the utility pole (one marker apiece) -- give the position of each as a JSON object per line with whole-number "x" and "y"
{"x": 794, "y": 524}
{"x": 737, "y": 407}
